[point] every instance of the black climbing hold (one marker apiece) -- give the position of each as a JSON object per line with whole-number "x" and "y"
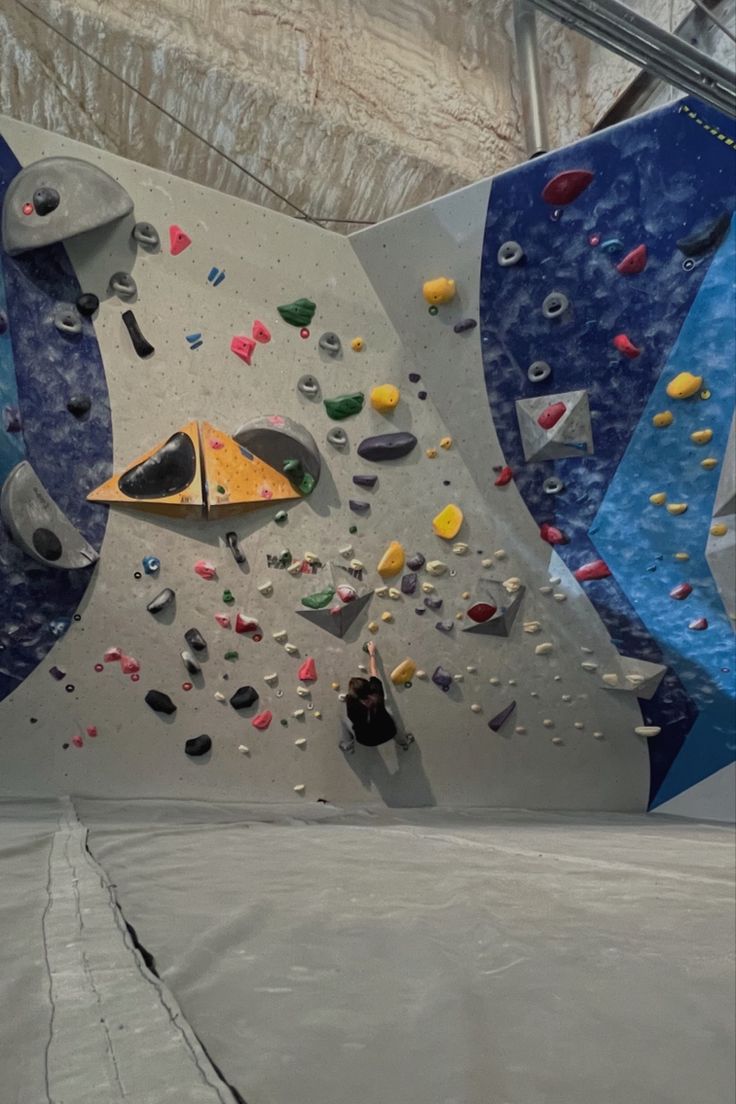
{"x": 414, "y": 377}
{"x": 3, "y": 322}
{"x": 421, "y": 395}
{"x": 464, "y": 325}
{"x": 123, "y": 284}
{"x": 416, "y": 561}
{"x": 195, "y": 640}
{"x": 359, "y": 507}
{"x": 146, "y": 235}
{"x": 445, "y": 626}
{"x": 409, "y": 583}
{"x": 142, "y": 347}
{"x": 137, "y": 575}
{"x": 79, "y": 405}
{"x": 167, "y": 472}
{"x": 198, "y": 745}
{"x": 231, "y": 540}
{"x": 161, "y": 601}
{"x": 387, "y": 446}
{"x": 496, "y": 722}
{"x": 69, "y": 688}
{"x": 708, "y": 238}
{"x": 244, "y": 697}
{"x": 160, "y": 702}
{"x": 57, "y": 673}
{"x": 365, "y": 480}
{"x": 190, "y": 663}
{"x": 420, "y": 610}
{"x": 432, "y": 602}
{"x": 45, "y": 200}
{"x": 47, "y": 544}
{"x": 87, "y": 304}
{"x": 353, "y": 529}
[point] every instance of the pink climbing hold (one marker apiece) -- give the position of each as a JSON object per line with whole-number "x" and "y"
{"x": 77, "y": 741}
{"x": 205, "y": 569}
{"x": 346, "y": 593}
{"x": 91, "y": 731}
{"x": 214, "y": 443}
{"x": 223, "y": 620}
{"x": 481, "y": 611}
{"x": 112, "y": 655}
{"x": 245, "y": 624}
{"x": 566, "y": 186}
{"x": 596, "y": 569}
{"x": 265, "y": 492}
{"x": 262, "y": 720}
{"x": 504, "y": 476}
{"x": 243, "y": 347}
{"x": 308, "y": 670}
{"x": 699, "y": 624}
{"x": 260, "y": 332}
{"x": 633, "y": 262}
{"x": 626, "y": 346}
{"x": 129, "y": 665}
{"x": 551, "y": 415}
{"x": 551, "y": 534}
{"x": 681, "y": 591}
{"x": 179, "y": 240}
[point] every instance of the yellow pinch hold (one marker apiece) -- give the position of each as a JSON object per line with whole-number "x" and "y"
{"x": 719, "y": 529}
{"x": 385, "y": 398}
{"x": 658, "y": 499}
{"x": 709, "y": 463}
{"x": 439, "y": 290}
{"x": 701, "y": 436}
{"x": 392, "y": 560}
{"x": 664, "y": 418}
{"x": 403, "y": 672}
{"x": 448, "y": 522}
{"x": 676, "y": 507}
{"x": 684, "y": 385}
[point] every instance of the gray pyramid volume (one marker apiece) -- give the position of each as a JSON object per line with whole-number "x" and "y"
{"x": 502, "y": 621}
{"x": 339, "y": 616}
{"x": 572, "y": 435}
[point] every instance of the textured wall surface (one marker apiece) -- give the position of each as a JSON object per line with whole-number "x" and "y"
{"x": 353, "y": 109}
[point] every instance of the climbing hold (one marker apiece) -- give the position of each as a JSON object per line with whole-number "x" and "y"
{"x": 510, "y": 253}
{"x": 505, "y": 476}
{"x": 647, "y": 730}
{"x": 387, "y": 446}
{"x": 179, "y": 240}
{"x": 260, "y": 332}
{"x": 701, "y": 436}
{"x": 447, "y": 522}
{"x": 544, "y": 649}
{"x": 243, "y": 347}
{"x": 464, "y": 325}
{"x": 291, "y": 649}
{"x": 532, "y": 627}
{"x": 151, "y": 565}
{"x": 385, "y": 398}
{"x": 111, "y": 655}
{"x": 403, "y": 672}
{"x": 300, "y": 788}
{"x": 634, "y": 262}
{"x": 481, "y": 612}
{"x": 357, "y": 344}
{"x": 703, "y": 240}
{"x": 190, "y": 663}
{"x": 709, "y": 463}
{"x": 358, "y": 507}
{"x": 123, "y": 284}
{"x": 555, "y": 304}
{"x": 308, "y": 386}
{"x": 373, "y": 626}
{"x": 432, "y": 602}
{"x": 87, "y": 303}
{"x": 45, "y": 200}
{"x": 231, "y": 540}
{"x": 409, "y": 583}
{"x": 394, "y": 593}
{"x": 299, "y": 313}
{"x": 146, "y": 235}
{"x": 684, "y": 385}
{"x": 262, "y": 720}
{"x": 681, "y": 591}
{"x": 658, "y": 498}
{"x": 436, "y": 567}
{"x": 551, "y": 415}
{"x": 78, "y": 405}
{"x": 445, "y": 626}
{"x": 416, "y": 561}
{"x": 304, "y": 333}
{"x": 442, "y": 678}
{"x": 245, "y": 624}
{"x": 161, "y": 601}
{"x": 195, "y": 640}
{"x": 460, "y": 548}
{"x": 551, "y": 534}
{"x": 612, "y": 245}
{"x": 387, "y": 617}
{"x": 57, "y": 673}
{"x": 439, "y": 290}
{"x": 446, "y": 443}
{"x": 244, "y": 697}
{"x": 330, "y": 343}
{"x": 205, "y": 569}
{"x": 663, "y": 419}
{"x": 228, "y": 597}
{"x": 198, "y": 745}
{"x": 344, "y": 406}
{"x": 159, "y": 702}
{"x": 718, "y": 529}
{"x": 265, "y": 588}
{"x": 566, "y": 187}
{"x": 625, "y": 345}
{"x": 319, "y": 600}
{"x": 431, "y": 453}
{"x": 676, "y": 507}
{"x": 428, "y": 588}
{"x": 496, "y": 722}
{"x": 595, "y": 569}
{"x": 308, "y": 670}
{"x": 346, "y": 593}
{"x": 223, "y": 620}
{"x": 553, "y": 485}
{"x": 67, "y": 321}
{"x": 538, "y": 371}
{"x": 142, "y": 347}
{"x": 392, "y": 561}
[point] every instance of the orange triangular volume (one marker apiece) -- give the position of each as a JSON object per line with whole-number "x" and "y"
{"x": 167, "y": 479}
{"x": 234, "y": 478}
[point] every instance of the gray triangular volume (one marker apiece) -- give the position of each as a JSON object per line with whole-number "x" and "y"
{"x": 570, "y": 436}
{"x": 501, "y": 623}
{"x": 337, "y": 623}
{"x": 725, "y": 502}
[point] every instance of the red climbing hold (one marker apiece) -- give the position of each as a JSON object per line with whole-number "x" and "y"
{"x": 245, "y": 624}
{"x": 179, "y": 240}
{"x": 223, "y": 620}
{"x": 129, "y": 665}
{"x": 77, "y": 741}
{"x": 504, "y": 476}
{"x": 112, "y": 655}
{"x": 243, "y": 347}
{"x": 346, "y": 593}
{"x": 480, "y": 612}
{"x": 91, "y": 730}
{"x": 633, "y": 262}
{"x": 551, "y": 415}
{"x": 551, "y": 534}
{"x": 682, "y": 590}
{"x": 308, "y": 670}
{"x": 626, "y": 346}
{"x": 698, "y": 625}
{"x": 566, "y": 186}
{"x": 596, "y": 569}
{"x": 262, "y": 720}
{"x": 260, "y": 332}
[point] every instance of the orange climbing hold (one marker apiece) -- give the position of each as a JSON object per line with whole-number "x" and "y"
{"x": 235, "y": 478}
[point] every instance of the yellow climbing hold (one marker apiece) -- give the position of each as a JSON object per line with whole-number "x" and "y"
{"x": 392, "y": 560}
{"x": 357, "y": 344}
{"x": 373, "y": 626}
{"x": 676, "y": 507}
{"x": 719, "y": 529}
{"x": 404, "y": 672}
{"x": 682, "y": 556}
{"x": 701, "y": 436}
{"x": 387, "y": 617}
{"x": 446, "y": 443}
{"x": 439, "y": 290}
{"x": 431, "y": 453}
{"x": 709, "y": 463}
{"x": 664, "y": 418}
{"x": 385, "y": 398}
{"x": 447, "y": 523}
{"x": 658, "y": 499}
{"x": 684, "y": 385}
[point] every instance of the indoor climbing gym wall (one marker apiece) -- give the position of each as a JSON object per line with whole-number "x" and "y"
{"x": 490, "y": 435}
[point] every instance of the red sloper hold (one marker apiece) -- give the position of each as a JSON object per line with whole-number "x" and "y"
{"x": 551, "y": 415}
{"x": 179, "y": 240}
{"x": 566, "y": 186}
{"x": 481, "y": 611}
{"x": 626, "y": 346}
{"x": 633, "y": 262}
{"x": 245, "y": 624}
{"x": 505, "y": 476}
{"x": 243, "y": 347}
{"x": 308, "y": 670}
{"x": 551, "y": 534}
{"x": 681, "y": 591}
{"x": 596, "y": 569}
{"x": 262, "y": 720}
{"x": 260, "y": 332}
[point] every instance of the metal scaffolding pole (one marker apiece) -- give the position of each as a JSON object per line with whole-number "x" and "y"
{"x": 642, "y": 42}
{"x": 530, "y": 81}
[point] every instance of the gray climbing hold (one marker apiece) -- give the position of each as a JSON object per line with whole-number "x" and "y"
{"x": 308, "y": 386}
{"x": 160, "y": 702}
{"x": 163, "y": 599}
{"x": 553, "y": 485}
{"x": 555, "y": 304}
{"x": 442, "y": 678}
{"x": 330, "y": 343}
{"x": 337, "y": 437}
{"x": 510, "y": 253}
{"x": 464, "y": 325}
{"x": 38, "y": 526}
{"x": 244, "y": 697}
{"x": 445, "y": 626}
{"x": 146, "y": 235}
{"x": 195, "y": 640}
{"x": 359, "y": 507}
{"x": 387, "y": 446}
{"x": 198, "y": 745}
{"x": 365, "y": 480}
{"x": 276, "y": 439}
{"x": 190, "y": 663}
{"x": 495, "y": 722}
{"x": 67, "y": 321}
{"x": 88, "y": 198}
{"x": 416, "y": 561}
{"x": 123, "y": 284}
{"x": 538, "y": 371}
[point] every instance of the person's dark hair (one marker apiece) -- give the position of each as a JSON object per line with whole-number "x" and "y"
{"x": 359, "y": 689}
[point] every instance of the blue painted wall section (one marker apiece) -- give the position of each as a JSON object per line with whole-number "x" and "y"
{"x": 39, "y": 371}
{"x": 656, "y": 179}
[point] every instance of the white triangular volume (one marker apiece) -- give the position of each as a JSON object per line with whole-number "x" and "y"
{"x": 712, "y": 799}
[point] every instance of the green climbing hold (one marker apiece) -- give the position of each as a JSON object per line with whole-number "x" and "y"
{"x": 220, "y": 489}
{"x": 306, "y": 484}
{"x": 228, "y": 597}
{"x": 299, "y": 313}
{"x": 231, "y": 655}
{"x": 300, "y": 478}
{"x": 344, "y": 405}
{"x": 433, "y": 310}
{"x": 353, "y": 529}
{"x": 284, "y": 722}
{"x": 319, "y": 600}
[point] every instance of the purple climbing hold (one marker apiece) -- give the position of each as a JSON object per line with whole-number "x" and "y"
{"x": 416, "y": 561}
{"x": 445, "y": 626}
{"x": 432, "y": 602}
{"x": 414, "y": 377}
{"x": 464, "y": 325}
{"x": 409, "y": 583}
{"x": 495, "y": 722}
{"x": 57, "y": 673}
{"x": 12, "y": 419}
{"x": 359, "y": 507}
{"x": 365, "y": 480}
{"x": 420, "y": 610}
{"x": 442, "y": 678}
{"x": 387, "y": 446}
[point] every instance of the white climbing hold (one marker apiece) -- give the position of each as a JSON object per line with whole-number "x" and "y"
{"x": 342, "y": 697}
{"x": 511, "y": 585}
{"x": 472, "y": 670}
{"x": 560, "y": 597}
{"x": 578, "y": 724}
{"x": 303, "y": 691}
{"x": 533, "y": 694}
{"x": 558, "y": 678}
{"x": 394, "y": 593}
{"x": 280, "y": 636}
{"x": 243, "y": 749}
{"x": 475, "y": 708}
{"x": 500, "y": 553}
{"x": 597, "y": 735}
{"x": 543, "y": 649}
{"x": 266, "y": 588}
{"x": 300, "y": 788}
{"x": 460, "y": 549}
{"x": 532, "y": 626}
{"x": 548, "y": 723}
{"x": 567, "y": 697}
{"x": 347, "y": 551}
{"x": 520, "y": 729}
{"x": 219, "y": 696}
{"x": 271, "y": 679}
{"x": 458, "y": 678}
{"x": 381, "y": 591}
{"x": 291, "y": 649}
{"x": 466, "y": 594}
{"x": 495, "y": 681}
{"x": 317, "y": 713}
{"x": 420, "y": 674}
{"x": 486, "y": 563}
{"x": 647, "y": 730}
{"x": 556, "y": 739}
{"x": 298, "y": 713}
{"x": 545, "y": 590}
{"x": 362, "y": 667}
{"x": 301, "y": 742}
{"x": 512, "y": 682}
{"x": 635, "y": 680}
{"x": 295, "y": 568}
{"x": 555, "y": 582}
{"x": 436, "y": 567}
{"x": 428, "y": 588}
{"x": 589, "y": 665}
{"x": 588, "y": 651}
{"x": 311, "y": 558}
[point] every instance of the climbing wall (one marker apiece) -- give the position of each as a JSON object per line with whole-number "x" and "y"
{"x": 316, "y": 443}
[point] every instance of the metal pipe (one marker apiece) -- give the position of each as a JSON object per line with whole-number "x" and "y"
{"x": 530, "y": 81}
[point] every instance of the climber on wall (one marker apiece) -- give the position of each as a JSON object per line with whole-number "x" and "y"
{"x": 367, "y": 719}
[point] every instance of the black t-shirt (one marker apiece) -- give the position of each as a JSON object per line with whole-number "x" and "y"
{"x": 375, "y": 725}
